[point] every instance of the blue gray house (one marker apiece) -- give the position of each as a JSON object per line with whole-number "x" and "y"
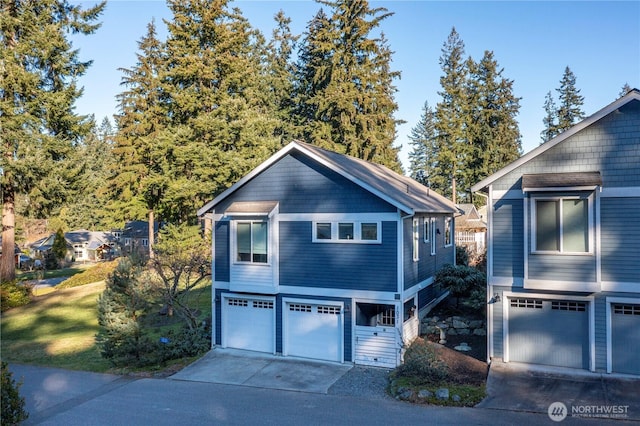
{"x": 564, "y": 245}
{"x": 324, "y": 256}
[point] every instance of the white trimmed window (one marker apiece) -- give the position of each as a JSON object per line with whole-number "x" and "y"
{"x": 433, "y": 231}
{"x": 347, "y": 232}
{"x": 427, "y": 229}
{"x": 251, "y": 241}
{"x": 416, "y": 239}
{"x": 561, "y": 225}
{"x": 448, "y": 231}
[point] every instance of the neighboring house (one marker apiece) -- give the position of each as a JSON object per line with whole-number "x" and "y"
{"x": 471, "y": 229}
{"x": 134, "y": 237}
{"x": 82, "y": 245}
{"x": 563, "y": 245}
{"x": 324, "y": 256}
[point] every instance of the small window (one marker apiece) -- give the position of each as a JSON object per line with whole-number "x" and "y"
{"x": 145, "y": 242}
{"x": 433, "y": 236}
{"x": 633, "y": 310}
{"x": 448, "y": 231}
{"x": 251, "y": 241}
{"x": 329, "y": 310}
{"x": 409, "y": 309}
{"x": 427, "y": 229}
{"x": 562, "y": 305}
{"x": 323, "y": 231}
{"x": 526, "y": 303}
{"x": 345, "y": 231}
{"x": 369, "y": 231}
{"x": 416, "y": 239}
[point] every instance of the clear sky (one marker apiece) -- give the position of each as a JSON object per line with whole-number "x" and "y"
{"x": 532, "y": 40}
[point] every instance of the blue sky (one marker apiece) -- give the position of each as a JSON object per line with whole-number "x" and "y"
{"x": 532, "y": 40}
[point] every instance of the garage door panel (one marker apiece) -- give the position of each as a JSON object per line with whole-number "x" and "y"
{"x": 549, "y": 332}
{"x": 249, "y": 324}
{"x": 313, "y": 331}
{"x": 625, "y": 338}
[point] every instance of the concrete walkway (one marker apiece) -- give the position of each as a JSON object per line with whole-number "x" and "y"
{"x": 235, "y": 367}
{"x": 515, "y": 387}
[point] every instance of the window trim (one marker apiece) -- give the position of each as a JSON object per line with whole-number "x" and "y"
{"x": 426, "y": 229}
{"x": 434, "y": 231}
{"x": 357, "y": 232}
{"x": 558, "y": 199}
{"x": 235, "y": 242}
{"x": 448, "y": 227}
{"x": 415, "y": 229}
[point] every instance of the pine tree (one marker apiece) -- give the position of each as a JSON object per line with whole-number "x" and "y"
{"x": 492, "y": 127}
{"x": 550, "y": 119}
{"x": 346, "y": 87}
{"x": 222, "y": 124}
{"x": 59, "y": 247}
{"x": 569, "y": 102}
{"x": 139, "y": 181}
{"x": 39, "y": 127}
{"x": 121, "y": 337}
{"x": 452, "y": 147}
{"x": 625, "y": 89}
{"x": 423, "y": 139}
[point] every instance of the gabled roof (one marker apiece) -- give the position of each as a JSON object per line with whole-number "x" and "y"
{"x": 632, "y": 95}
{"x": 471, "y": 219}
{"x": 400, "y": 191}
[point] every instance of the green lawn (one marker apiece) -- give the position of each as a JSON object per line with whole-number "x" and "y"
{"x": 58, "y": 329}
{"x": 53, "y": 273}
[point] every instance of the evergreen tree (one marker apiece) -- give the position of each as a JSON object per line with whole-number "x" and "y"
{"x": 59, "y": 247}
{"x": 423, "y": 139}
{"x": 550, "y": 119}
{"x": 625, "y": 89}
{"x": 569, "y": 102}
{"x": 121, "y": 337}
{"x": 452, "y": 147}
{"x": 39, "y": 127}
{"x": 222, "y": 124}
{"x": 281, "y": 71}
{"x": 139, "y": 179}
{"x": 346, "y": 90}
{"x": 492, "y": 127}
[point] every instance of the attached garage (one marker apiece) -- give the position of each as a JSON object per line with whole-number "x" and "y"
{"x": 313, "y": 329}
{"x": 548, "y": 332}
{"x": 625, "y": 338}
{"x": 248, "y": 323}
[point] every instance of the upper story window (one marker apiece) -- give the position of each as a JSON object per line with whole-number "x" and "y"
{"x": 432, "y": 231}
{"x": 448, "y": 231}
{"x": 251, "y": 241}
{"x": 427, "y": 229}
{"x": 560, "y": 225}
{"x": 346, "y": 232}
{"x": 145, "y": 242}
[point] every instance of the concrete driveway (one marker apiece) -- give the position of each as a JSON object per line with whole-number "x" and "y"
{"x": 236, "y": 367}
{"x": 514, "y": 387}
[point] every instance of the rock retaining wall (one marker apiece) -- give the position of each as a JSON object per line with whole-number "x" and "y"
{"x": 455, "y": 325}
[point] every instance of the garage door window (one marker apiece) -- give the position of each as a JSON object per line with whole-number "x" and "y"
{"x": 627, "y": 310}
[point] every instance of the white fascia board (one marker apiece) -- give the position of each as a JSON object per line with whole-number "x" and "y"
{"x": 632, "y": 95}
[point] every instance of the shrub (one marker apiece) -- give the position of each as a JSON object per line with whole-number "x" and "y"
{"x": 186, "y": 343}
{"x": 462, "y": 256}
{"x": 13, "y": 295}
{"x": 12, "y": 410}
{"x": 422, "y": 364}
{"x": 464, "y": 282}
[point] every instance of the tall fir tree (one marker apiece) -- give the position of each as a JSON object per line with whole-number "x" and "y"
{"x": 570, "y": 101}
{"x": 550, "y": 118}
{"x": 139, "y": 180}
{"x": 39, "y": 128}
{"x": 222, "y": 124}
{"x": 452, "y": 147}
{"x": 625, "y": 89}
{"x": 423, "y": 140}
{"x": 347, "y": 89}
{"x": 492, "y": 128}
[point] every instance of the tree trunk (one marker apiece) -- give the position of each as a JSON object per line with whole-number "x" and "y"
{"x": 7, "y": 262}
{"x": 151, "y": 234}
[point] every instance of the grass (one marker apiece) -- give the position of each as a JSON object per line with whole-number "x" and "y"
{"x": 470, "y": 395}
{"x": 53, "y": 273}
{"x": 98, "y": 272}
{"x": 58, "y": 329}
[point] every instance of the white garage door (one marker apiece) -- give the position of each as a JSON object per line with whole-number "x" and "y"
{"x": 248, "y": 323}
{"x": 313, "y": 330}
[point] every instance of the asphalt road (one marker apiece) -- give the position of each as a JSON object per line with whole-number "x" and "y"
{"x": 173, "y": 402}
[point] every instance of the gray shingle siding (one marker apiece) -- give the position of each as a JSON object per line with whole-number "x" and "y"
{"x": 600, "y": 332}
{"x": 610, "y": 146}
{"x": 620, "y": 242}
{"x": 301, "y": 185}
{"x": 508, "y": 240}
{"x": 428, "y": 265}
{"x": 344, "y": 266}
